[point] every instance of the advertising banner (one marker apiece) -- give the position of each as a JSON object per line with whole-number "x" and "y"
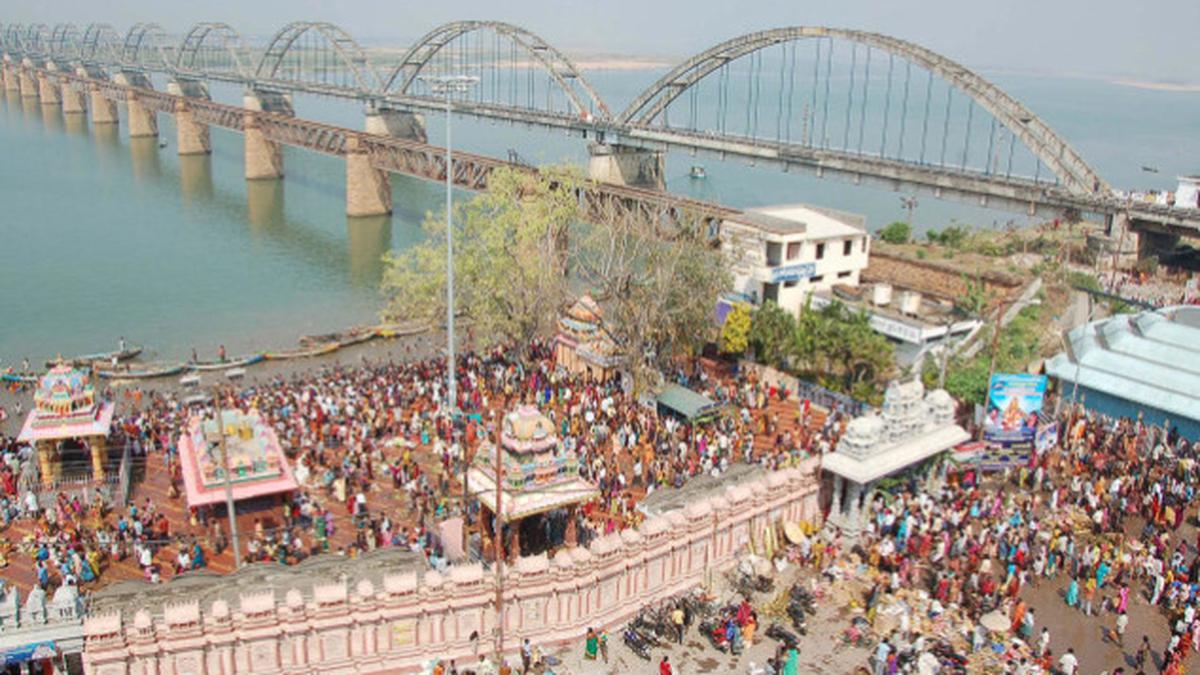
{"x": 1014, "y": 408}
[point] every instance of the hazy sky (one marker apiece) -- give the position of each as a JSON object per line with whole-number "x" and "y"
{"x": 1151, "y": 39}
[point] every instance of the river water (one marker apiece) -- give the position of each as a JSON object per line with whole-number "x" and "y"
{"x": 102, "y": 236}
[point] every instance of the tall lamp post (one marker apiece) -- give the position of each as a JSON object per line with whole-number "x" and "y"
{"x": 448, "y": 86}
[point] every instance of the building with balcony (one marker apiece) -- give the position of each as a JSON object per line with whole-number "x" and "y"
{"x": 783, "y": 253}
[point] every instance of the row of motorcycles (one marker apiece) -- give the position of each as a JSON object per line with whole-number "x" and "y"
{"x": 652, "y": 627}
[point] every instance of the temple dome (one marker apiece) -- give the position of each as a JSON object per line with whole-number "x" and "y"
{"x": 64, "y": 390}
{"x": 527, "y": 425}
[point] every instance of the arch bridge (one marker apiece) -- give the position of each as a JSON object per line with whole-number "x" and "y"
{"x": 858, "y": 105}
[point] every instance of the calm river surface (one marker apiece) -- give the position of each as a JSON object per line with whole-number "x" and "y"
{"x": 102, "y": 236}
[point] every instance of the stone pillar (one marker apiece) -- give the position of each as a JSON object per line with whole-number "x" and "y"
{"x": 72, "y": 100}
{"x": 622, "y": 165}
{"x": 47, "y": 89}
{"x": 368, "y": 191}
{"x": 264, "y": 157}
{"x": 104, "y": 111}
{"x": 838, "y": 485}
{"x": 29, "y": 87}
{"x": 143, "y": 123}
{"x": 192, "y": 136}
{"x": 397, "y": 124}
{"x": 11, "y": 81}
{"x": 96, "y": 447}
{"x": 853, "y": 510}
{"x": 45, "y": 462}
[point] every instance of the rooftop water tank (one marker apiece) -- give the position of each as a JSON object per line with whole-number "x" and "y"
{"x": 881, "y": 295}
{"x": 910, "y": 302}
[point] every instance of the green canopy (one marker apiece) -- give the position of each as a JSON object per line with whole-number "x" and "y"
{"x": 686, "y": 403}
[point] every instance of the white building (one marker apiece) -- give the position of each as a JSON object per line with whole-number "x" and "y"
{"x": 782, "y": 253}
{"x": 912, "y": 427}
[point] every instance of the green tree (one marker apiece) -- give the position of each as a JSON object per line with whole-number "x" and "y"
{"x": 735, "y": 332}
{"x": 658, "y": 287}
{"x": 898, "y": 232}
{"x": 837, "y": 346}
{"x": 771, "y": 334}
{"x": 509, "y": 264}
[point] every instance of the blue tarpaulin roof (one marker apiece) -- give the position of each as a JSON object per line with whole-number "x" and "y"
{"x": 685, "y": 402}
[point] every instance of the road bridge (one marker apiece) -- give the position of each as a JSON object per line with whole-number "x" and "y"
{"x": 855, "y": 105}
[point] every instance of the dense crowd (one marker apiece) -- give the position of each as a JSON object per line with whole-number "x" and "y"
{"x": 1101, "y": 512}
{"x": 378, "y": 454}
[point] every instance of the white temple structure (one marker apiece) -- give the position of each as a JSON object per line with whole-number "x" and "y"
{"x": 913, "y": 427}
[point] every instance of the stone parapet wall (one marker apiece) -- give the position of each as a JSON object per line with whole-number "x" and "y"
{"x": 347, "y": 626}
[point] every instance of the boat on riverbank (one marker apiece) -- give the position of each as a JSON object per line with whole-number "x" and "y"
{"x": 17, "y": 378}
{"x": 146, "y": 372}
{"x": 82, "y": 360}
{"x": 346, "y": 338}
{"x": 240, "y": 362}
{"x": 303, "y": 353}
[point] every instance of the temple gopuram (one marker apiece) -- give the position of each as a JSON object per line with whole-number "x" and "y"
{"x": 581, "y": 346}
{"x": 538, "y": 476}
{"x": 66, "y": 420}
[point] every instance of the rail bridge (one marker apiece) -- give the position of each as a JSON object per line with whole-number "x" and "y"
{"x": 848, "y": 104}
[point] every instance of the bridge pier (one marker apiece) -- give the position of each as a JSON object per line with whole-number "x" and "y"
{"x": 72, "y": 100}
{"x": 264, "y": 157}
{"x": 624, "y": 165}
{"x": 397, "y": 124}
{"x": 28, "y": 85}
{"x": 368, "y": 190}
{"x": 104, "y": 111}
{"x": 1152, "y": 243}
{"x": 143, "y": 122}
{"x": 48, "y": 89}
{"x": 192, "y": 137}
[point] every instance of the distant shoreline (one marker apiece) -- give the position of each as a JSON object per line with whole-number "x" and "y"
{"x": 1159, "y": 86}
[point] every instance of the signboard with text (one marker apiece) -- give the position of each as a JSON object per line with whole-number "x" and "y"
{"x": 793, "y": 272}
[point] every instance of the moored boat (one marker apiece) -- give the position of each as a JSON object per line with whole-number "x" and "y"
{"x": 344, "y": 338}
{"x": 14, "y": 377}
{"x": 302, "y": 353}
{"x": 148, "y": 371}
{"x": 107, "y": 357}
{"x": 240, "y": 362}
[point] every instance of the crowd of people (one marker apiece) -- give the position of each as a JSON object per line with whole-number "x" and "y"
{"x": 380, "y": 459}
{"x": 1099, "y": 514}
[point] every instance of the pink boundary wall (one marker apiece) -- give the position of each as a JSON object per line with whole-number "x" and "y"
{"x": 359, "y": 628}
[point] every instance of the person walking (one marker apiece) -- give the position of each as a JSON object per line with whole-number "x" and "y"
{"x": 664, "y": 666}
{"x": 1143, "y": 654}
{"x": 677, "y": 621}
{"x": 1067, "y": 663}
{"x": 603, "y": 637}
{"x": 1121, "y": 624}
{"x": 526, "y": 656}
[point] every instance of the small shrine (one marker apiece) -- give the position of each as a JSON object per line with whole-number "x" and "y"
{"x": 257, "y": 464}
{"x": 912, "y": 427}
{"x": 538, "y": 476}
{"x": 581, "y": 345}
{"x": 66, "y": 419}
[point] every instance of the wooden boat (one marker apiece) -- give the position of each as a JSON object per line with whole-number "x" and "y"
{"x": 302, "y": 353}
{"x": 344, "y": 338}
{"x": 395, "y": 330}
{"x": 149, "y": 371}
{"x": 239, "y": 362}
{"x": 107, "y": 357}
{"x": 13, "y": 377}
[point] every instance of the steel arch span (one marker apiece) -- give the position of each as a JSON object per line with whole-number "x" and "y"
{"x": 319, "y": 57}
{"x": 146, "y": 46}
{"x": 65, "y": 42}
{"x": 214, "y": 49}
{"x": 436, "y": 49}
{"x": 100, "y": 45}
{"x": 35, "y": 40}
{"x": 648, "y": 109}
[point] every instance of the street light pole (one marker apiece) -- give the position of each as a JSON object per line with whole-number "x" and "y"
{"x": 448, "y": 85}
{"x": 230, "y": 505}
